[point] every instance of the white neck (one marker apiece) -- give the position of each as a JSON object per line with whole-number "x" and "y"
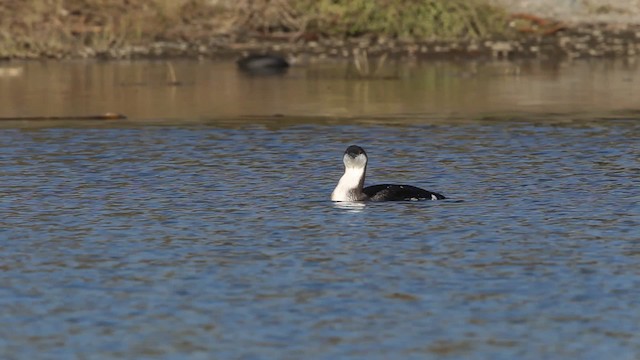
{"x": 350, "y": 185}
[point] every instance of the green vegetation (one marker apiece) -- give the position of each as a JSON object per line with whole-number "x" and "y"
{"x": 59, "y": 28}
{"x": 421, "y": 19}
{"x": 431, "y": 19}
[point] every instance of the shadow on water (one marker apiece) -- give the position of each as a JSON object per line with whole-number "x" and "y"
{"x": 323, "y": 93}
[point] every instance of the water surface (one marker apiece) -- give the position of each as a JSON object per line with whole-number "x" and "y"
{"x": 210, "y": 89}
{"x": 210, "y": 235}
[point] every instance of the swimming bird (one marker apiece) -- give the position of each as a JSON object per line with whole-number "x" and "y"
{"x": 351, "y": 184}
{"x": 263, "y": 64}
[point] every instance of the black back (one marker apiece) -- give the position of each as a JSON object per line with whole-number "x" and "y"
{"x": 391, "y": 192}
{"x": 263, "y": 64}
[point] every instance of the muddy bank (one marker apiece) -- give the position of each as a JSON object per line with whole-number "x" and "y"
{"x": 557, "y": 42}
{"x": 547, "y": 40}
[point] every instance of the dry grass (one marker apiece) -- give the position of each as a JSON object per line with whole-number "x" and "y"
{"x": 57, "y": 28}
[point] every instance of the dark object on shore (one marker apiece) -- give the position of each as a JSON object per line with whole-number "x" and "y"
{"x": 105, "y": 116}
{"x": 263, "y": 64}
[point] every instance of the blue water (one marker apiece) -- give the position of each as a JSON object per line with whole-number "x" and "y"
{"x": 217, "y": 240}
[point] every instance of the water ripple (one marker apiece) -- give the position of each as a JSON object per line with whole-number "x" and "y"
{"x": 187, "y": 241}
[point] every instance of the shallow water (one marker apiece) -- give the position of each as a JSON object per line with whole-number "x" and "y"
{"x": 213, "y": 237}
{"x": 213, "y": 90}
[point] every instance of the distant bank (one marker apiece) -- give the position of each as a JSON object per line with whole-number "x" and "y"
{"x": 311, "y": 29}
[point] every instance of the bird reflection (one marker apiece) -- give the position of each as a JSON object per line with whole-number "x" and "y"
{"x": 350, "y": 206}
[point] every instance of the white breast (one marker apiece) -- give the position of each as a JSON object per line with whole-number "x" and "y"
{"x": 349, "y": 186}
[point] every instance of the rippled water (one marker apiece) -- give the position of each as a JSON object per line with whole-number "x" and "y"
{"x": 169, "y": 240}
{"x": 216, "y": 239}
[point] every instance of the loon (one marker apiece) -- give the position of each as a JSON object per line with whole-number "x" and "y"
{"x": 263, "y": 64}
{"x": 350, "y": 186}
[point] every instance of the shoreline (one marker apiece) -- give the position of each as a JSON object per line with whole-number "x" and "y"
{"x": 433, "y": 29}
{"x": 562, "y": 42}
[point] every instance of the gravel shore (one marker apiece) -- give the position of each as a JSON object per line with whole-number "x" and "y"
{"x": 578, "y": 11}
